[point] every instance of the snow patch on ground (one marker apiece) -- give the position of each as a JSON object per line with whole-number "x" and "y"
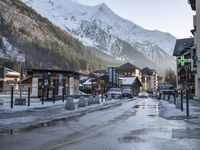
{"x": 18, "y": 119}
{"x": 36, "y": 106}
{"x": 35, "y": 103}
{"x": 169, "y": 110}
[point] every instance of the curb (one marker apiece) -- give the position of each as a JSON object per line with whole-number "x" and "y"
{"x": 12, "y": 129}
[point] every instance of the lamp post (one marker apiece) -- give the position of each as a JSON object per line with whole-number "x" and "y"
{"x": 21, "y": 59}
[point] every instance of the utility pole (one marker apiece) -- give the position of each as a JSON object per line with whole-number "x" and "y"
{"x": 21, "y": 76}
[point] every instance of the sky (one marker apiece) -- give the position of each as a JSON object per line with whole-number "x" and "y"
{"x": 173, "y": 16}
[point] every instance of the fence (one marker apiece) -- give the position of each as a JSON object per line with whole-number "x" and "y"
{"x": 12, "y": 97}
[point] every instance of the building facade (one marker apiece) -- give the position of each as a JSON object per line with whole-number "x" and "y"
{"x": 8, "y": 78}
{"x": 45, "y": 82}
{"x": 195, "y": 5}
{"x": 149, "y": 79}
{"x": 132, "y": 83}
{"x": 186, "y": 64}
{"x": 129, "y": 70}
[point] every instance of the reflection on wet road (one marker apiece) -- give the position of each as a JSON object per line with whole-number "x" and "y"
{"x": 133, "y": 125}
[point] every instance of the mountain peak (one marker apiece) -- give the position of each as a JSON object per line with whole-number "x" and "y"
{"x": 103, "y": 7}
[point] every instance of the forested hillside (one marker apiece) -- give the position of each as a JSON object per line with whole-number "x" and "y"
{"x": 44, "y": 44}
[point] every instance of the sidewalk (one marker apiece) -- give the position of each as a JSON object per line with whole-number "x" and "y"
{"x": 24, "y": 116}
{"x": 169, "y": 110}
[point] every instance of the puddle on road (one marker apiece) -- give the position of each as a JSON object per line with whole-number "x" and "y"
{"x": 186, "y": 133}
{"x": 136, "y": 106}
{"x": 133, "y": 136}
{"x": 152, "y": 115}
{"x": 155, "y": 107}
{"x": 123, "y": 116}
{"x": 8, "y": 132}
{"x": 180, "y": 117}
{"x": 55, "y": 122}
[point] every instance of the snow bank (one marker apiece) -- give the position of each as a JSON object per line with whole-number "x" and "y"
{"x": 169, "y": 110}
{"x": 11, "y": 121}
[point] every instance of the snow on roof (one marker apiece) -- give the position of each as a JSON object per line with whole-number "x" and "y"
{"x": 10, "y": 72}
{"x": 83, "y": 78}
{"x": 88, "y": 82}
{"x": 128, "y": 80}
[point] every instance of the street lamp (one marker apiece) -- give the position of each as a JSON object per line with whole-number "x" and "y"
{"x": 21, "y": 59}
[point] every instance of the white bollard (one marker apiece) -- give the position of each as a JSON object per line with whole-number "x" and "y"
{"x": 69, "y": 105}
{"x": 82, "y": 102}
{"x": 90, "y": 100}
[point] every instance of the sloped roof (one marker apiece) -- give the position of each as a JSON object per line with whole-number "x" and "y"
{"x": 147, "y": 71}
{"x": 103, "y": 71}
{"x": 130, "y": 80}
{"x": 182, "y": 45}
{"x": 127, "y": 66}
{"x": 31, "y": 71}
{"x": 193, "y": 4}
{"x": 88, "y": 82}
{"x": 10, "y": 72}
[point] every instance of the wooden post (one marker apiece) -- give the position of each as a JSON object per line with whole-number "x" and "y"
{"x": 187, "y": 103}
{"x": 11, "y": 103}
{"x": 42, "y": 95}
{"x": 29, "y": 93}
{"x": 53, "y": 94}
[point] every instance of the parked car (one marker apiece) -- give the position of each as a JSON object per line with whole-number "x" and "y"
{"x": 155, "y": 94}
{"x": 115, "y": 93}
{"x": 143, "y": 94}
{"x": 165, "y": 88}
{"x": 127, "y": 93}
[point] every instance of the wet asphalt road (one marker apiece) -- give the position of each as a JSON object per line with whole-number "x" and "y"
{"x": 134, "y": 125}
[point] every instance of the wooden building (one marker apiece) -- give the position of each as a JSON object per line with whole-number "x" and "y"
{"x": 129, "y": 70}
{"x": 49, "y": 81}
{"x": 132, "y": 83}
{"x": 8, "y": 78}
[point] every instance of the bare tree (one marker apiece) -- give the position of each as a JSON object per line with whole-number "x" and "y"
{"x": 170, "y": 77}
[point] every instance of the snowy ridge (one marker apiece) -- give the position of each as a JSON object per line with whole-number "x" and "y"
{"x": 98, "y": 26}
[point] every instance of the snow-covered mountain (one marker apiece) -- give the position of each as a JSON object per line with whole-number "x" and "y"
{"x": 98, "y": 26}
